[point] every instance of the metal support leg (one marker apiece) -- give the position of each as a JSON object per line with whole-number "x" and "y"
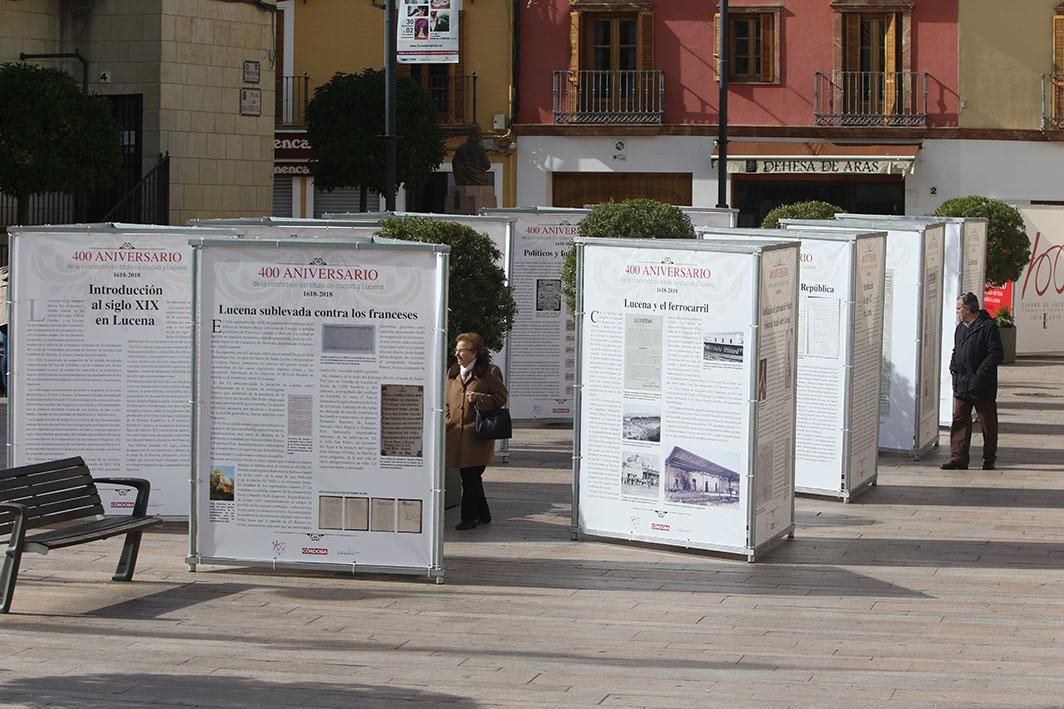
{"x": 12, "y": 555}
{"x": 128, "y": 561}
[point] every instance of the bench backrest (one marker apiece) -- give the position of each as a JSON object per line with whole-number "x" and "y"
{"x": 55, "y": 491}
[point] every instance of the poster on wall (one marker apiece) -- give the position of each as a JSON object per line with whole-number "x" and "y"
{"x": 668, "y": 334}
{"x": 318, "y": 437}
{"x": 101, "y": 355}
{"x": 427, "y": 31}
{"x": 1039, "y": 293}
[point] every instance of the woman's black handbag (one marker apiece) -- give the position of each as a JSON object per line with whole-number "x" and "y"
{"x": 493, "y": 425}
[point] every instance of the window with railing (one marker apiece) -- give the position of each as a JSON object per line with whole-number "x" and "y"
{"x": 293, "y": 93}
{"x": 453, "y": 93}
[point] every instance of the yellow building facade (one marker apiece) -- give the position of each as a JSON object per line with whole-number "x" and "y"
{"x": 319, "y": 38}
{"x": 1007, "y": 68}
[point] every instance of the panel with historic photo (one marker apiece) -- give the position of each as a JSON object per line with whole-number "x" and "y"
{"x": 722, "y": 348}
{"x": 693, "y": 479}
{"x": 641, "y": 424}
{"x": 640, "y": 474}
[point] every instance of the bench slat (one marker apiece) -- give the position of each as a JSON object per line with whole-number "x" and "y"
{"x": 36, "y": 518}
{"x": 10, "y": 484}
{"x": 73, "y": 496}
{"x": 45, "y": 467}
{"x": 90, "y": 531}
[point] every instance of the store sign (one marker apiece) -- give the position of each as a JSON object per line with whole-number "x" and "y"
{"x": 291, "y": 152}
{"x": 818, "y": 166}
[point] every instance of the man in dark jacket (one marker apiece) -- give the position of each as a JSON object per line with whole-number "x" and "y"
{"x": 976, "y": 355}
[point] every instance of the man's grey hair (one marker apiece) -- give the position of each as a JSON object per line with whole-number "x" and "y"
{"x": 970, "y": 302}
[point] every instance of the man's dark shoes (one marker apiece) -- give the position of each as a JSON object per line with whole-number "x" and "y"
{"x": 466, "y": 524}
{"x": 988, "y": 466}
{"x": 954, "y": 465}
{"x": 484, "y": 520}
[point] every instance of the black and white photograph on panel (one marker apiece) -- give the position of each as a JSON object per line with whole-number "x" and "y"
{"x": 722, "y": 348}
{"x": 641, "y": 424}
{"x": 549, "y": 294}
{"x": 640, "y": 474}
{"x": 691, "y": 479}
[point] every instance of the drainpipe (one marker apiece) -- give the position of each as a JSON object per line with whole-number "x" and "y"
{"x": 722, "y": 141}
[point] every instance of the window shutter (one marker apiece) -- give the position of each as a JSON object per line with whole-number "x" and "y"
{"x": 768, "y": 52}
{"x": 646, "y": 41}
{"x": 456, "y": 95}
{"x": 574, "y": 42}
{"x": 716, "y": 46}
{"x": 851, "y": 42}
{"x": 890, "y": 65}
{"x": 1058, "y": 44}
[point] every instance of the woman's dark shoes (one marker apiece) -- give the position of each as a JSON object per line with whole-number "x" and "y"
{"x": 466, "y": 524}
{"x": 954, "y": 465}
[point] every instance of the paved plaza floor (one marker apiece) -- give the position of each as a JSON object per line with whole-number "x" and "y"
{"x": 935, "y": 588}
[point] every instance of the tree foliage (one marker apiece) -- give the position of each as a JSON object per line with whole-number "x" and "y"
{"x": 479, "y": 298}
{"x": 631, "y": 219}
{"x": 814, "y": 209}
{"x": 53, "y": 137}
{"x": 1008, "y": 249}
{"x": 345, "y": 127}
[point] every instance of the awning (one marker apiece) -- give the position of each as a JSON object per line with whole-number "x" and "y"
{"x": 772, "y": 158}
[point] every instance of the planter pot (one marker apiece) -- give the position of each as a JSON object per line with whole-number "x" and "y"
{"x": 1008, "y": 344}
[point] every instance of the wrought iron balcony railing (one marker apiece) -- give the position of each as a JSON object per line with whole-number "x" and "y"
{"x": 606, "y": 96}
{"x": 870, "y": 98}
{"x": 293, "y": 93}
{"x": 455, "y": 97}
{"x": 1052, "y": 101}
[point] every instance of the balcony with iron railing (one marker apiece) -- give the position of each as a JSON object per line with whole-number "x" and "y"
{"x": 455, "y": 96}
{"x": 607, "y": 96}
{"x": 293, "y": 94}
{"x": 1053, "y": 101}
{"x": 870, "y": 98}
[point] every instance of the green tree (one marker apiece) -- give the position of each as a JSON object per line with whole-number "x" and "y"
{"x": 53, "y": 136}
{"x": 1008, "y": 249}
{"x": 345, "y": 127}
{"x": 813, "y": 209}
{"x": 631, "y": 219}
{"x": 478, "y": 297}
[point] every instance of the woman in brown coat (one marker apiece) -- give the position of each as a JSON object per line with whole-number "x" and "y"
{"x": 473, "y": 382}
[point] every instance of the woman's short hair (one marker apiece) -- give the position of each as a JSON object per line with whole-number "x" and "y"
{"x": 473, "y": 340}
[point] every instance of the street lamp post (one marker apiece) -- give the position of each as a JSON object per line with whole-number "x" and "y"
{"x": 389, "y": 106}
{"x": 722, "y": 140}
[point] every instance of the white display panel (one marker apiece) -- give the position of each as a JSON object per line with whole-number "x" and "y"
{"x": 318, "y": 400}
{"x": 670, "y": 370}
{"x": 911, "y": 305}
{"x": 101, "y": 355}
{"x": 542, "y": 342}
{"x": 839, "y": 356}
{"x": 1039, "y": 293}
{"x": 964, "y": 271}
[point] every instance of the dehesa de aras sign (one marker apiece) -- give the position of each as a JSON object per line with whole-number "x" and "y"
{"x": 1038, "y": 295}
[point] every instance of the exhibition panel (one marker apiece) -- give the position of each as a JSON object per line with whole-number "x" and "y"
{"x": 101, "y": 352}
{"x": 684, "y": 427}
{"x": 912, "y": 330}
{"x": 964, "y": 271}
{"x": 318, "y": 404}
{"x": 840, "y": 344}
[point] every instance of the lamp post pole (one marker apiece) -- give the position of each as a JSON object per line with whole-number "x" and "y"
{"x": 389, "y": 106}
{"x": 722, "y": 140}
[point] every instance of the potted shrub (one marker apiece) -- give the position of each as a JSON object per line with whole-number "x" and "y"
{"x": 813, "y": 209}
{"x": 1007, "y": 327}
{"x": 1008, "y": 249}
{"x": 631, "y": 219}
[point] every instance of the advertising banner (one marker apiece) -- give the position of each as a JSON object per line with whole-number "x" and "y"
{"x": 1039, "y": 293}
{"x": 427, "y": 31}
{"x": 101, "y": 355}
{"x": 673, "y": 390}
{"x": 318, "y": 404}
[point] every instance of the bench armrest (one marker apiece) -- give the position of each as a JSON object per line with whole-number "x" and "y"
{"x": 143, "y": 487}
{"x": 18, "y": 523}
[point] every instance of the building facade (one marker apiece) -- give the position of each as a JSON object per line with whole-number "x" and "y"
{"x": 191, "y": 79}
{"x": 875, "y": 105}
{"x": 320, "y": 38}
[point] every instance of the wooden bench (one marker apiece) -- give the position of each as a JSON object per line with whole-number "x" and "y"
{"x": 63, "y": 491}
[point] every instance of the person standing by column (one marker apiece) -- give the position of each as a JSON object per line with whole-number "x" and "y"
{"x": 473, "y": 383}
{"x": 977, "y": 353}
